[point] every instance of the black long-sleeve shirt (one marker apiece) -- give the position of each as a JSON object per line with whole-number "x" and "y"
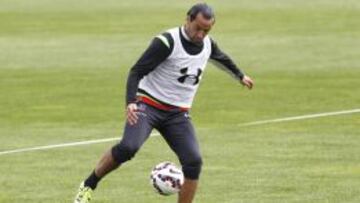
{"x": 158, "y": 51}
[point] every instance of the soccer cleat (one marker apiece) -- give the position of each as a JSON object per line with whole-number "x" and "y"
{"x": 84, "y": 194}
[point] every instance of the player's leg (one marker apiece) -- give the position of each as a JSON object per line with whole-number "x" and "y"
{"x": 133, "y": 138}
{"x": 188, "y": 190}
{"x": 179, "y": 133}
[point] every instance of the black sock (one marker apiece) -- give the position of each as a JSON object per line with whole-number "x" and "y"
{"x": 92, "y": 181}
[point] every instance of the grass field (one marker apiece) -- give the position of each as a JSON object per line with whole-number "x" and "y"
{"x": 63, "y": 69}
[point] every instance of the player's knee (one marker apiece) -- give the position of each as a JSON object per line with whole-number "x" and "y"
{"x": 192, "y": 168}
{"x": 123, "y": 152}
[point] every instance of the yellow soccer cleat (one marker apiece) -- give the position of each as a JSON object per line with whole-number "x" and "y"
{"x": 84, "y": 194}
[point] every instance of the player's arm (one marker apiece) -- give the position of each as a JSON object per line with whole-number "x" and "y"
{"x": 224, "y": 62}
{"x": 159, "y": 49}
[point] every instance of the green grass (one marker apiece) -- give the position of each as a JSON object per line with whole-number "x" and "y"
{"x": 63, "y": 70}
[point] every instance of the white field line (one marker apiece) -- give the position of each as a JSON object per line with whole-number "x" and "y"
{"x": 65, "y": 145}
{"x": 309, "y": 116}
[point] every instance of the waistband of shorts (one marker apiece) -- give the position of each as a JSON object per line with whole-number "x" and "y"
{"x": 148, "y": 100}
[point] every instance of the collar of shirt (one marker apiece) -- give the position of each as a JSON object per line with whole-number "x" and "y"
{"x": 184, "y": 33}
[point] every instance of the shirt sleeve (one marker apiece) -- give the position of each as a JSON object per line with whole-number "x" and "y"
{"x": 224, "y": 62}
{"x": 159, "y": 49}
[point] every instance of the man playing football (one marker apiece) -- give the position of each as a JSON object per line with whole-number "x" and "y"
{"x": 160, "y": 90}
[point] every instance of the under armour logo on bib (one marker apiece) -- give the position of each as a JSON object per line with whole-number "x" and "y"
{"x": 189, "y": 78}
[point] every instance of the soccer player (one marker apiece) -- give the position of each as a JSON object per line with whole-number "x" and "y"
{"x": 160, "y": 90}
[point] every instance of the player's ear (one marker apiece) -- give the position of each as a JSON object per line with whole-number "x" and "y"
{"x": 188, "y": 19}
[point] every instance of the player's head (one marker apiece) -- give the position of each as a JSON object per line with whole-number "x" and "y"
{"x": 200, "y": 19}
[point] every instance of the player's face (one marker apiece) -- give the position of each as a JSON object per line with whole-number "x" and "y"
{"x": 199, "y": 28}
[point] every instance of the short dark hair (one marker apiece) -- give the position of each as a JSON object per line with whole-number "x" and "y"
{"x": 203, "y": 8}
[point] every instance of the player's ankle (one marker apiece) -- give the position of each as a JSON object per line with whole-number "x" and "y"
{"x": 92, "y": 181}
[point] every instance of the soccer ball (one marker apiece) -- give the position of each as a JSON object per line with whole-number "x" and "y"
{"x": 166, "y": 178}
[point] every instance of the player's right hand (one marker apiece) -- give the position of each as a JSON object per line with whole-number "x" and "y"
{"x": 131, "y": 113}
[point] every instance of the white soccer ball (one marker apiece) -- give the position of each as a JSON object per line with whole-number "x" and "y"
{"x": 166, "y": 178}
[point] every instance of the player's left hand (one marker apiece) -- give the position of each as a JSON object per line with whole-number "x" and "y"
{"x": 247, "y": 81}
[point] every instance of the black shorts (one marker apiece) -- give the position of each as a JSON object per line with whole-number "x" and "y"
{"x": 175, "y": 127}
